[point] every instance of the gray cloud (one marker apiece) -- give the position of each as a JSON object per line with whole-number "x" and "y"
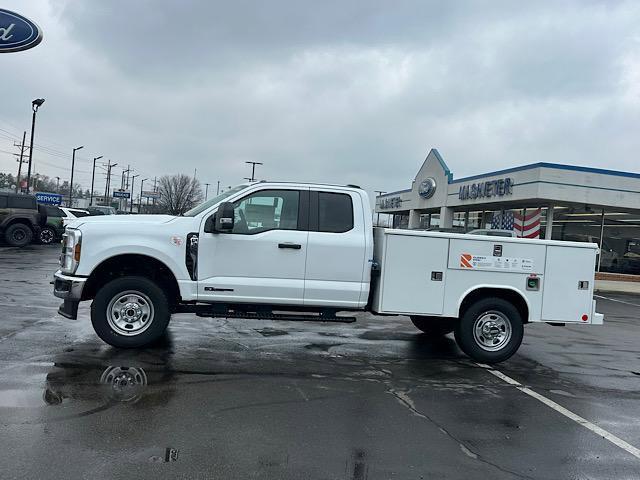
{"x": 347, "y": 92}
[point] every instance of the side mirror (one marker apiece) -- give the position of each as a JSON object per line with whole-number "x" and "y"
{"x": 222, "y": 221}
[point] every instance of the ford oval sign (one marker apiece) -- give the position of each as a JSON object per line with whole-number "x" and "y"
{"x": 427, "y": 188}
{"x": 17, "y": 32}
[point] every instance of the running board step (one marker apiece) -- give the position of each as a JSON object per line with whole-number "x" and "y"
{"x": 276, "y": 316}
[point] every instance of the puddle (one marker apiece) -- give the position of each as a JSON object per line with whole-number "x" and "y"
{"x": 15, "y": 398}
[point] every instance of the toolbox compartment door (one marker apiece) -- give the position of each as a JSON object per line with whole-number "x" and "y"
{"x": 564, "y": 298}
{"x": 414, "y": 271}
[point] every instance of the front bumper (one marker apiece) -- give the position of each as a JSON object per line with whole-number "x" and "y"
{"x": 69, "y": 288}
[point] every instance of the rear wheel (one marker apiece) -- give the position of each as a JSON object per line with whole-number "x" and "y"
{"x": 434, "y": 326}
{"x": 18, "y": 235}
{"x": 130, "y": 312}
{"x": 47, "y": 236}
{"x": 490, "y": 330}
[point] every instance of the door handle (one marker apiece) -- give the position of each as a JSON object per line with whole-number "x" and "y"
{"x": 293, "y": 246}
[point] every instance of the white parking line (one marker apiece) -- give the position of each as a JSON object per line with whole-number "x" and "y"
{"x": 616, "y": 300}
{"x": 567, "y": 413}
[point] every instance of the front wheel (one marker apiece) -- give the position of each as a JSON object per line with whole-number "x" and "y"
{"x": 130, "y": 312}
{"x": 490, "y": 330}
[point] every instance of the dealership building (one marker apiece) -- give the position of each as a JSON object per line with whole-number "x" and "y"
{"x": 560, "y": 202}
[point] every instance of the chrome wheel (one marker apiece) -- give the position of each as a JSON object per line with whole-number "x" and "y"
{"x": 47, "y": 236}
{"x": 130, "y": 313}
{"x": 492, "y": 331}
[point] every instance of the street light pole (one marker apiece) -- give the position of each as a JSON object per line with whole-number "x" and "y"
{"x": 133, "y": 179}
{"x": 218, "y": 189}
{"x": 73, "y": 164}
{"x": 253, "y": 169}
{"x": 140, "y": 200}
{"x": 37, "y": 103}
{"x": 57, "y": 184}
{"x": 93, "y": 175}
{"x": 206, "y": 191}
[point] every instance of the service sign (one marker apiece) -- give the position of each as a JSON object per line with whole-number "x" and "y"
{"x": 49, "y": 198}
{"x": 17, "y": 32}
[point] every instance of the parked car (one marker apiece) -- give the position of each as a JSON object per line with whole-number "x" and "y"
{"x": 101, "y": 210}
{"x": 53, "y": 229}
{"x": 21, "y": 218}
{"x": 72, "y": 214}
{"x": 492, "y": 232}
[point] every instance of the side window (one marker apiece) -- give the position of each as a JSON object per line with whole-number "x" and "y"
{"x": 54, "y": 212}
{"x": 335, "y": 212}
{"x": 22, "y": 202}
{"x": 267, "y": 210}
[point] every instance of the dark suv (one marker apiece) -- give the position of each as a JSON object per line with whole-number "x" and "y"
{"x": 21, "y": 218}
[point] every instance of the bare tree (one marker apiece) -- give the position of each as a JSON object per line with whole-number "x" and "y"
{"x": 178, "y": 193}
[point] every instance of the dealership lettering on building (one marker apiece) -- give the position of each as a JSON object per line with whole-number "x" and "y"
{"x": 491, "y": 188}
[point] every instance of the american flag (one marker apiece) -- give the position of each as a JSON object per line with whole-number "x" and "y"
{"x": 526, "y": 226}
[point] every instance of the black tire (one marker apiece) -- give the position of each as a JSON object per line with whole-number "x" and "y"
{"x": 155, "y": 302}
{"x": 434, "y": 326}
{"x": 492, "y": 312}
{"x": 47, "y": 236}
{"x": 18, "y": 235}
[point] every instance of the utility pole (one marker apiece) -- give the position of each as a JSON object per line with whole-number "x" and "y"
{"x": 22, "y": 147}
{"x": 206, "y": 191}
{"x": 253, "y": 169}
{"x": 108, "y": 183}
{"x": 122, "y": 186}
{"x": 133, "y": 179}
{"x": 73, "y": 164}
{"x": 93, "y": 175}
{"x": 37, "y": 103}
{"x": 379, "y": 192}
{"x": 155, "y": 190}
{"x": 140, "y": 199}
{"x": 218, "y": 189}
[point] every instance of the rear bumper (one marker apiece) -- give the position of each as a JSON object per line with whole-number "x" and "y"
{"x": 596, "y": 318}
{"x": 70, "y": 289}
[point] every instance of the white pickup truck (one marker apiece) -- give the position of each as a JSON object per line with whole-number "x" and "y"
{"x": 296, "y": 251}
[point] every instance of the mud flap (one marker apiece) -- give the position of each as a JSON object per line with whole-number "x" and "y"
{"x": 69, "y": 309}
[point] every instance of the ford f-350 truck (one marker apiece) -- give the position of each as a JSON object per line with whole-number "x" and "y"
{"x": 298, "y": 251}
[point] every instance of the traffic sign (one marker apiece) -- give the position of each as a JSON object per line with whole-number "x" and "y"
{"x": 121, "y": 194}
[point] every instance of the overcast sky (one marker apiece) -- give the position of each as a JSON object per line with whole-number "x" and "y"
{"x": 331, "y": 91}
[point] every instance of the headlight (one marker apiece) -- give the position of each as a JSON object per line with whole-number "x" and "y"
{"x": 71, "y": 250}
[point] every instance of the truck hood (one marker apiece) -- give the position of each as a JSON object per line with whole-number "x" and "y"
{"x": 123, "y": 219}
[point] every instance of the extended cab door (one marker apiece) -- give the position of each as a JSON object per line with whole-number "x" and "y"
{"x": 336, "y": 256}
{"x": 262, "y": 260}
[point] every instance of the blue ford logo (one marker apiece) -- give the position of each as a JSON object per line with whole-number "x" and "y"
{"x": 17, "y": 32}
{"x": 427, "y": 188}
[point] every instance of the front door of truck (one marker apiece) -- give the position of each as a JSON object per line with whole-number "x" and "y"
{"x": 262, "y": 260}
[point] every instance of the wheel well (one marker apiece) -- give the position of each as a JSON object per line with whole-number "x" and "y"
{"x": 510, "y": 296}
{"x": 23, "y": 221}
{"x": 133, "y": 264}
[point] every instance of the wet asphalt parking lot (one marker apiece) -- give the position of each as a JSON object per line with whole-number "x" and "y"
{"x": 242, "y": 399}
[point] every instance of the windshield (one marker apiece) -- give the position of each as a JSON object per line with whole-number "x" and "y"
{"x": 212, "y": 201}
